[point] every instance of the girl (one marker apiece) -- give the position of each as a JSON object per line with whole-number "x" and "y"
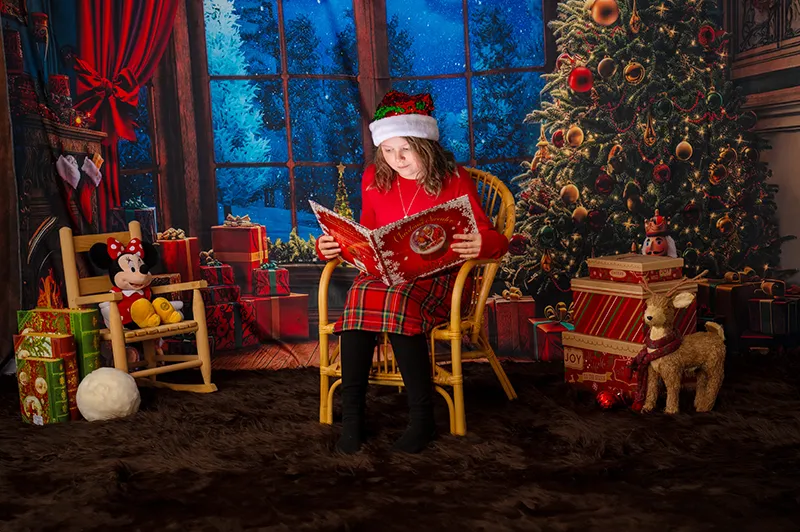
{"x": 411, "y": 173}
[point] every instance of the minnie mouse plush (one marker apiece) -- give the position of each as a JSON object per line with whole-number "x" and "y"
{"x": 129, "y": 270}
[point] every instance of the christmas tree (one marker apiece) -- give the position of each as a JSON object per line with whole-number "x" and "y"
{"x": 643, "y": 119}
{"x": 342, "y": 205}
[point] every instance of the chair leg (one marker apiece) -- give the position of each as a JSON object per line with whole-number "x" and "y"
{"x": 201, "y": 336}
{"x": 324, "y": 380}
{"x": 117, "y": 338}
{"x": 458, "y": 388}
{"x": 499, "y": 371}
{"x": 149, "y": 347}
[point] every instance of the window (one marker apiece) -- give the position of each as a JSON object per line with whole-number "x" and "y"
{"x": 139, "y": 169}
{"x": 286, "y": 95}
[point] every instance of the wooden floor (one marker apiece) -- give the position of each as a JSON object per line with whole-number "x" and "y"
{"x": 279, "y": 355}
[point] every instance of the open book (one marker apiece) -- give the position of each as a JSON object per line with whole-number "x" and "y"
{"x": 406, "y": 249}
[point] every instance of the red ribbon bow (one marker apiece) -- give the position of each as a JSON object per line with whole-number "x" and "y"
{"x": 117, "y": 98}
{"x": 116, "y": 249}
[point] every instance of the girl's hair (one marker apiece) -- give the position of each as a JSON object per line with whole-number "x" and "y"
{"x": 437, "y": 164}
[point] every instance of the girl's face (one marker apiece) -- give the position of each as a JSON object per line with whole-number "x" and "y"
{"x": 401, "y": 157}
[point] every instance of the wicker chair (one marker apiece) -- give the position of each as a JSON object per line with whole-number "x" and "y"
{"x": 498, "y": 203}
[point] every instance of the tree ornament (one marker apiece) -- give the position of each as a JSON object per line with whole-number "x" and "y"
{"x": 691, "y": 213}
{"x": 690, "y": 255}
{"x": 580, "y": 79}
{"x": 617, "y": 160}
{"x": 564, "y": 60}
{"x": 569, "y": 193}
{"x": 634, "y": 203}
{"x": 547, "y": 236}
{"x": 663, "y": 109}
{"x": 725, "y": 225}
{"x": 579, "y": 214}
{"x": 727, "y": 156}
{"x": 634, "y": 73}
{"x": 575, "y": 136}
{"x": 518, "y": 244}
{"x": 608, "y": 399}
{"x": 658, "y": 242}
{"x": 750, "y": 154}
{"x": 683, "y": 151}
{"x": 631, "y": 189}
{"x": 597, "y": 220}
{"x": 662, "y": 174}
{"x": 604, "y": 12}
{"x": 558, "y": 138}
{"x": 649, "y": 131}
{"x": 546, "y": 262}
{"x": 604, "y": 183}
{"x": 747, "y": 119}
{"x": 607, "y": 68}
{"x": 636, "y": 22}
{"x": 706, "y": 36}
{"x": 542, "y": 154}
{"x": 713, "y": 100}
{"x": 717, "y": 173}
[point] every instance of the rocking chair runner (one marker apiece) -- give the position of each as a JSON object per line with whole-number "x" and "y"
{"x": 94, "y": 290}
{"x": 498, "y": 203}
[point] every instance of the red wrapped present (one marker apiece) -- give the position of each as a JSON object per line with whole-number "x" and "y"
{"x": 43, "y": 396}
{"x": 164, "y": 279}
{"x": 615, "y": 310}
{"x": 181, "y": 255}
{"x": 51, "y": 346}
{"x": 232, "y": 325}
{"x": 281, "y": 317}
{"x": 225, "y": 293}
{"x": 242, "y": 245}
{"x": 631, "y": 267}
{"x": 270, "y": 280}
{"x": 506, "y": 322}
{"x": 217, "y": 275}
{"x": 546, "y": 333}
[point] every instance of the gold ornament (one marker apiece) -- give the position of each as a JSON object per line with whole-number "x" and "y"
{"x": 725, "y": 225}
{"x": 649, "y": 131}
{"x": 683, "y": 151}
{"x": 634, "y": 73}
{"x": 616, "y": 159}
{"x": 547, "y": 262}
{"x": 569, "y": 193}
{"x": 633, "y": 203}
{"x": 750, "y": 154}
{"x": 575, "y": 136}
{"x": 717, "y": 173}
{"x": 604, "y": 12}
{"x": 727, "y": 156}
{"x": 636, "y": 21}
{"x": 579, "y": 214}
{"x": 606, "y": 68}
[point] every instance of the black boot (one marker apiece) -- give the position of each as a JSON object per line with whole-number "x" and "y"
{"x": 411, "y": 353}
{"x": 358, "y": 348}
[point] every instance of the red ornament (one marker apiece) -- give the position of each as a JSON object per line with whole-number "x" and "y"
{"x": 662, "y": 174}
{"x": 518, "y": 244}
{"x": 581, "y": 79}
{"x": 597, "y": 220}
{"x": 604, "y": 183}
{"x": 558, "y": 138}
{"x": 606, "y": 399}
{"x": 706, "y": 36}
{"x": 691, "y": 213}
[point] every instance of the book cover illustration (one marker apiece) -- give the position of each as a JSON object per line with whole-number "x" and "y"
{"x": 411, "y": 247}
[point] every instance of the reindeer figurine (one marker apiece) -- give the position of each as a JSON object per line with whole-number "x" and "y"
{"x": 667, "y": 356}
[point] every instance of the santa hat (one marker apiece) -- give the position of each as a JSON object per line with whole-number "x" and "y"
{"x": 404, "y": 115}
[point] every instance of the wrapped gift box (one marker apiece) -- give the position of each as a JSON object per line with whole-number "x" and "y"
{"x": 615, "y": 310}
{"x": 181, "y": 256}
{"x": 217, "y": 275}
{"x": 774, "y": 316}
{"x": 281, "y": 317}
{"x": 164, "y": 279}
{"x": 506, "y": 323}
{"x": 232, "y": 325}
{"x": 220, "y": 294}
{"x": 270, "y": 280}
{"x": 83, "y": 324}
{"x": 120, "y": 217}
{"x": 238, "y": 240}
{"x": 53, "y": 345}
{"x": 547, "y": 344}
{"x": 727, "y": 301}
{"x": 243, "y": 271}
{"x": 631, "y": 267}
{"x": 43, "y": 396}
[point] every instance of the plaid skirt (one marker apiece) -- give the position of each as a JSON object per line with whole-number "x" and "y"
{"x": 408, "y": 308}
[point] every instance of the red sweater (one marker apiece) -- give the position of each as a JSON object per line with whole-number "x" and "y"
{"x": 379, "y": 209}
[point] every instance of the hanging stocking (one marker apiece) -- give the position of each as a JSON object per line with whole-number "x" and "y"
{"x": 67, "y": 168}
{"x": 92, "y": 171}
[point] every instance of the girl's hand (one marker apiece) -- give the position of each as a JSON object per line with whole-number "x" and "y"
{"x": 328, "y": 247}
{"x": 470, "y": 248}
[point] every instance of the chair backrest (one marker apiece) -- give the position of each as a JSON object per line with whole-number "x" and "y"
{"x": 498, "y": 203}
{"x": 71, "y": 245}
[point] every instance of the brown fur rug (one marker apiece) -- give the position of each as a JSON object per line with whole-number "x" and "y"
{"x": 253, "y": 456}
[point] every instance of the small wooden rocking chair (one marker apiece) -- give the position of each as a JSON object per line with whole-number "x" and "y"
{"x": 94, "y": 290}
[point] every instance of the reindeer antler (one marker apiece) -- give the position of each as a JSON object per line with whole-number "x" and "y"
{"x": 685, "y": 281}
{"x": 643, "y": 281}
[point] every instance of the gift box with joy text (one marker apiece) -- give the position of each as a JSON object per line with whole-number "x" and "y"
{"x": 281, "y": 317}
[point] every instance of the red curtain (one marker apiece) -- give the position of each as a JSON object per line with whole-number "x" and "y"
{"x": 120, "y": 43}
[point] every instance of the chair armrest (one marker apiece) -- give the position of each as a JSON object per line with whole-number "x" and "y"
{"x": 458, "y": 289}
{"x": 322, "y": 292}
{"x": 108, "y": 297}
{"x": 180, "y": 287}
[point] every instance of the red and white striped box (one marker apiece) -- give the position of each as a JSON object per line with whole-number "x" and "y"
{"x": 631, "y": 267}
{"x": 615, "y": 310}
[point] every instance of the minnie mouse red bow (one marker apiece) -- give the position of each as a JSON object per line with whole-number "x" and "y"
{"x": 116, "y": 249}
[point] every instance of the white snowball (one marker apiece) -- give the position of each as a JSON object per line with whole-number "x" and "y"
{"x": 107, "y": 393}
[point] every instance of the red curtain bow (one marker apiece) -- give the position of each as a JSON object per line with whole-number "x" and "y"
{"x": 112, "y": 103}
